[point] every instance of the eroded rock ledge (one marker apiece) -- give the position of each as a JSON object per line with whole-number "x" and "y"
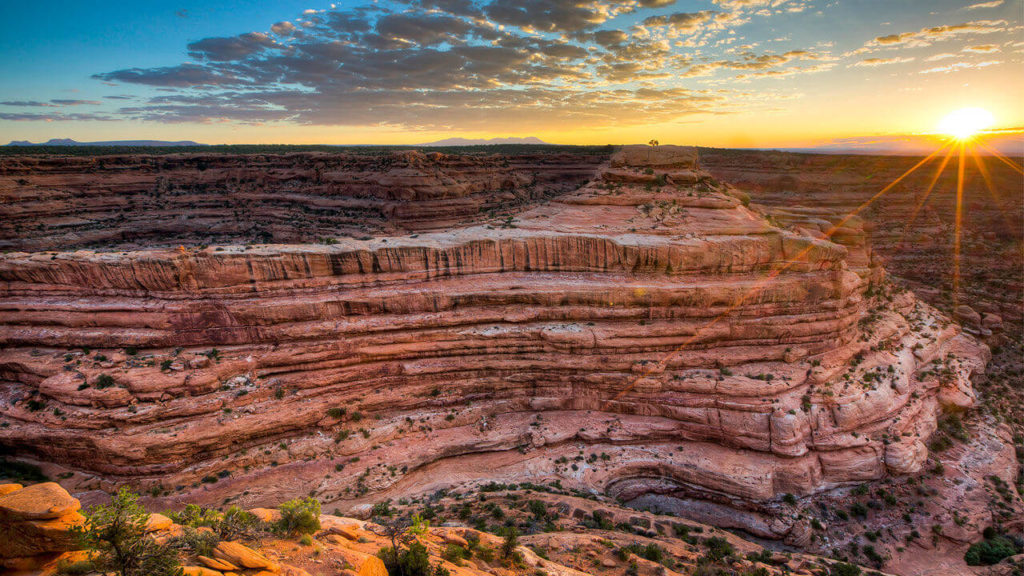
{"x": 55, "y": 203}
{"x": 649, "y": 316}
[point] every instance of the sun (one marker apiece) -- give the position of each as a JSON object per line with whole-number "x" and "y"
{"x": 965, "y": 123}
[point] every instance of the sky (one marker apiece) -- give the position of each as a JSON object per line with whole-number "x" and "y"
{"x": 732, "y": 73}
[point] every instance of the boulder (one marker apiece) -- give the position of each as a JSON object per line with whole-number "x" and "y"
{"x": 158, "y": 522}
{"x": 199, "y": 571}
{"x": 216, "y": 564}
{"x": 8, "y": 488}
{"x": 967, "y": 316}
{"x": 244, "y": 557}
{"x": 268, "y": 515}
{"x": 373, "y": 566}
{"x": 44, "y": 501}
{"x": 38, "y": 520}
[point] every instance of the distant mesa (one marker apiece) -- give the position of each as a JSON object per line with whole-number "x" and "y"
{"x": 484, "y": 141}
{"x": 70, "y": 142}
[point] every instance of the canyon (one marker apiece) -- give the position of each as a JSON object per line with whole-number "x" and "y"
{"x": 661, "y": 327}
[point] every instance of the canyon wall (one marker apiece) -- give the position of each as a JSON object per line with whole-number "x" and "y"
{"x": 913, "y": 224}
{"x": 58, "y": 203}
{"x": 645, "y": 334}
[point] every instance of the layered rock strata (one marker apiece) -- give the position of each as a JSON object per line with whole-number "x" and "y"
{"x": 648, "y": 334}
{"x": 57, "y": 203}
{"x": 912, "y": 225}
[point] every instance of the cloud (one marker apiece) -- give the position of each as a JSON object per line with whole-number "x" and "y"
{"x": 872, "y": 62}
{"x": 982, "y": 49}
{"x": 958, "y": 66}
{"x": 27, "y": 103}
{"x": 993, "y": 4}
{"x": 787, "y": 72}
{"x": 552, "y": 15}
{"x": 681, "y": 21}
{"x": 65, "y": 102}
{"x": 56, "y": 117}
{"x": 233, "y": 48}
{"x": 183, "y": 76}
{"x": 928, "y": 36}
{"x": 489, "y": 64}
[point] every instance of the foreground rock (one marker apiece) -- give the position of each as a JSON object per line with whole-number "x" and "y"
{"x": 647, "y": 545}
{"x": 36, "y": 520}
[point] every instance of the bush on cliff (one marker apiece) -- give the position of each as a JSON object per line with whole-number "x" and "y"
{"x": 116, "y": 533}
{"x": 990, "y": 551}
{"x": 299, "y": 516}
{"x": 411, "y": 561}
{"x": 232, "y": 524}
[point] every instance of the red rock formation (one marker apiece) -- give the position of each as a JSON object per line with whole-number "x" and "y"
{"x": 649, "y": 315}
{"x": 911, "y": 225}
{"x": 56, "y": 203}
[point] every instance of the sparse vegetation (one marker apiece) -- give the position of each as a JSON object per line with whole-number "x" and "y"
{"x": 116, "y": 534}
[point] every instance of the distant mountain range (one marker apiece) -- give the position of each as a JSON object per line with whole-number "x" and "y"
{"x": 70, "y": 142}
{"x": 484, "y": 142}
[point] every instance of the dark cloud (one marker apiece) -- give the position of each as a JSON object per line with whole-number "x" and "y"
{"x": 184, "y": 76}
{"x": 226, "y": 49}
{"x": 423, "y": 29}
{"x": 56, "y": 117}
{"x": 65, "y": 102}
{"x": 27, "y": 103}
{"x": 548, "y": 15}
{"x": 682, "y": 21}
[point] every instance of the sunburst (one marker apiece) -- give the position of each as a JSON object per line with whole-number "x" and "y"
{"x": 964, "y": 131}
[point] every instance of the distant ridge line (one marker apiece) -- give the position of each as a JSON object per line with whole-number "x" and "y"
{"x": 70, "y": 142}
{"x": 484, "y": 141}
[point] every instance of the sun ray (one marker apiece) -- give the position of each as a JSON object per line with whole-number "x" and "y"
{"x": 1005, "y": 160}
{"x": 927, "y": 194}
{"x": 983, "y": 170}
{"x": 762, "y": 283}
{"x": 958, "y": 226}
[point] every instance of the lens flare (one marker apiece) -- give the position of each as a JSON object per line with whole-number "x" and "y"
{"x": 965, "y": 123}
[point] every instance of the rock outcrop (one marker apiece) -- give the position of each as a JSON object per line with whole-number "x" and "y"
{"x": 36, "y": 520}
{"x": 912, "y": 225}
{"x": 570, "y": 545}
{"x": 56, "y": 203}
{"x": 712, "y": 358}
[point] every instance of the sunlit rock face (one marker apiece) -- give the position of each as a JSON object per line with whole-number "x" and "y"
{"x": 647, "y": 335}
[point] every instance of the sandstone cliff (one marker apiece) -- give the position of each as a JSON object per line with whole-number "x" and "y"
{"x": 714, "y": 358}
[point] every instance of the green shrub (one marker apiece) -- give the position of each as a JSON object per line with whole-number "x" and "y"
{"x": 65, "y": 568}
{"x": 116, "y": 534}
{"x": 413, "y": 561}
{"x": 990, "y": 551}
{"x": 236, "y": 523}
{"x": 197, "y": 542}
{"x": 455, "y": 554}
{"x": 844, "y": 569}
{"x": 510, "y": 543}
{"x": 104, "y": 381}
{"x": 299, "y": 516}
{"x": 718, "y": 548}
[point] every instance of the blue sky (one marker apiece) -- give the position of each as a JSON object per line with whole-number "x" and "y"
{"x": 717, "y": 72}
